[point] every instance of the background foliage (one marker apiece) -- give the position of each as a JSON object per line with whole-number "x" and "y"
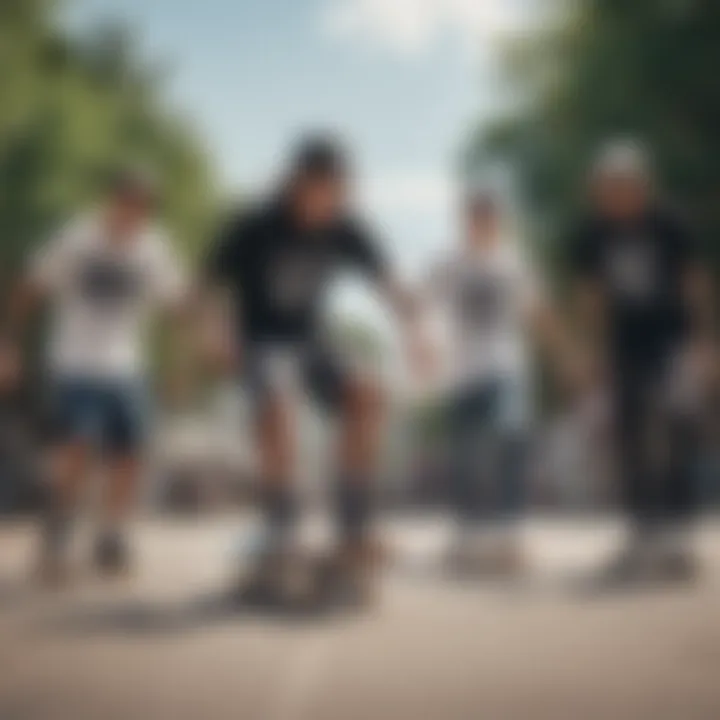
{"x": 645, "y": 68}
{"x": 70, "y": 108}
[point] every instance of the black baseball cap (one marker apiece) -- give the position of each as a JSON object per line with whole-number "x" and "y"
{"x": 321, "y": 156}
{"x": 135, "y": 181}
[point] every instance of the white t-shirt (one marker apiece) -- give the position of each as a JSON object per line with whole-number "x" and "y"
{"x": 485, "y": 295}
{"x": 102, "y": 294}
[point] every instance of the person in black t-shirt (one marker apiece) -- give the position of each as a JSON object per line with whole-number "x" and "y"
{"x": 277, "y": 260}
{"x": 643, "y": 292}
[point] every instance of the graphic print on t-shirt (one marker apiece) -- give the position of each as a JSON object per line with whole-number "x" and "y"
{"x": 632, "y": 269}
{"x": 480, "y": 300}
{"x": 485, "y": 296}
{"x": 295, "y": 278}
{"x": 108, "y": 284}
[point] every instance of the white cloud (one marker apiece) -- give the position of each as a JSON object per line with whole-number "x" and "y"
{"x": 406, "y": 191}
{"x": 412, "y": 26}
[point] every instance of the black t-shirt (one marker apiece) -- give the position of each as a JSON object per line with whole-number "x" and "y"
{"x": 640, "y": 268}
{"x": 278, "y": 272}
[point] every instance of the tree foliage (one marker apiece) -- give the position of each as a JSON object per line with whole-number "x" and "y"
{"x": 71, "y": 107}
{"x": 644, "y": 68}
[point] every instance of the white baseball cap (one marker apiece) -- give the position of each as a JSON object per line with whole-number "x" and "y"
{"x": 622, "y": 158}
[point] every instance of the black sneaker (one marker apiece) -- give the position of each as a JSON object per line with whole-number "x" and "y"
{"x": 509, "y": 560}
{"x": 630, "y": 568}
{"x": 53, "y": 564}
{"x": 111, "y": 555}
{"x": 349, "y": 577}
{"x": 678, "y": 565}
{"x": 274, "y": 575}
{"x": 53, "y": 568}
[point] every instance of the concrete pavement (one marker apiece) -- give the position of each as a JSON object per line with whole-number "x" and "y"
{"x": 162, "y": 646}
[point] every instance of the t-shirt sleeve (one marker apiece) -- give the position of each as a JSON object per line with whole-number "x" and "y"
{"x": 170, "y": 279}
{"x": 584, "y": 254}
{"x": 528, "y": 281}
{"x": 687, "y": 246}
{"x": 363, "y": 251}
{"x": 227, "y": 250}
{"x": 52, "y": 262}
{"x": 436, "y": 283}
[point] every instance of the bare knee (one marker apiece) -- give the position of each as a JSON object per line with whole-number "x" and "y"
{"x": 68, "y": 462}
{"x": 124, "y": 470}
{"x": 366, "y": 400}
{"x": 275, "y": 435}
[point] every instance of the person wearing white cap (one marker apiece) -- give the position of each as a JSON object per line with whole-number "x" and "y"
{"x": 623, "y": 158}
{"x": 645, "y": 301}
{"x": 495, "y": 305}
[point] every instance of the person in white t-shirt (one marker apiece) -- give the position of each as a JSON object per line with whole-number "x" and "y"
{"x": 493, "y": 302}
{"x": 103, "y": 276}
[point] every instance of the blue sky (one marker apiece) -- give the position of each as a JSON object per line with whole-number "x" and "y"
{"x": 403, "y": 80}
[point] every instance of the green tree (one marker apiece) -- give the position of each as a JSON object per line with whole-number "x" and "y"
{"x": 612, "y": 67}
{"x": 71, "y": 107}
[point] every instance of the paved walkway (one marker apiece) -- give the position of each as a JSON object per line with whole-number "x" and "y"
{"x": 162, "y": 647}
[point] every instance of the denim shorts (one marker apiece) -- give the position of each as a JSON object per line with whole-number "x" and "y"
{"x": 488, "y": 424}
{"x": 502, "y": 403}
{"x": 109, "y": 414}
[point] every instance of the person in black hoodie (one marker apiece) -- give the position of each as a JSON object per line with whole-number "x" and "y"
{"x": 646, "y": 302}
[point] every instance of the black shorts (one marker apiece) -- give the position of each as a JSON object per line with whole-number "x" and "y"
{"x": 270, "y": 369}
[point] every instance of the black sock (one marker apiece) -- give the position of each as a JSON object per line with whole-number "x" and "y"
{"x": 354, "y": 508}
{"x": 279, "y": 509}
{"x": 58, "y": 527}
{"x": 111, "y": 535}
